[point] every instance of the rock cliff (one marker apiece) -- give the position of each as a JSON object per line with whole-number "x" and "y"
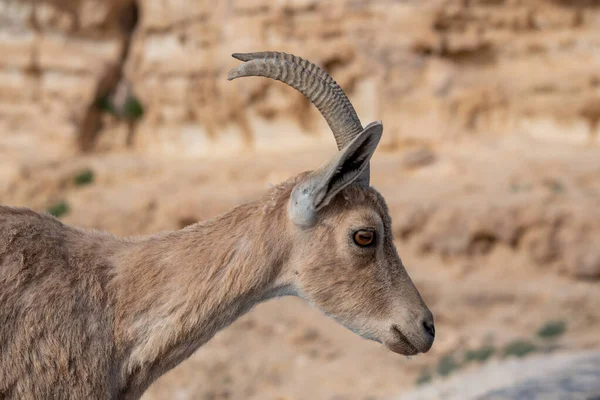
{"x": 433, "y": 70}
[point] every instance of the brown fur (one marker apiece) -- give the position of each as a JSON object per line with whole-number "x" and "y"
{"x": 85, "y": 315}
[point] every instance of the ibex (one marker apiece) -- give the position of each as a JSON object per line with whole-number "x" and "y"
{"x": 86, "y": 315}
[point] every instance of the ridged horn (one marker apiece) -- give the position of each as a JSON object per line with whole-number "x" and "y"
{"x": 310, "y": 80}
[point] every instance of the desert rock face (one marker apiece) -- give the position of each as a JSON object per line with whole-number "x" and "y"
{"x": 432, "y": 70}
{"x": 489, "y": 162}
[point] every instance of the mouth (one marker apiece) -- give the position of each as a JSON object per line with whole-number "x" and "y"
{"x": 401, "y": 345}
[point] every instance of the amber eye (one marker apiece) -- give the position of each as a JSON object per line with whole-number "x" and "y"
{"x": 364, "y": 238}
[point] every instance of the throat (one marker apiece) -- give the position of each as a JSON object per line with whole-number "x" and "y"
{"x": 177, "y": 290}
{"x": 280, "y": 291}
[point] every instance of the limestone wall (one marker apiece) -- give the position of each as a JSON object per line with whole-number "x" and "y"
{"x": 432, "y": 70}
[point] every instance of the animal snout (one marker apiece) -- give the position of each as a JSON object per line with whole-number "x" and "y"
{"x": 429, "y": 327}
{"x": 428, "y": 330}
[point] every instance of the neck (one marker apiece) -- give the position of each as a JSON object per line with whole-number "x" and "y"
{"x": 176, "y": 290}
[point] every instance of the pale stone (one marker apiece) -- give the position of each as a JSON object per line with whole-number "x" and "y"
{"x": 93, "y": 12}
{"x": 16, "y": 47}
{"x": 159, "y": 14}
{"x": 574, "y": 375}
{"x": 16, "y": 86}
{"x": 548, "y": 129}
{"x": 171, "y": 90}
{"x": 78, "y": 89}
{"x": 50, "y": 17}
{"x": 14, "y": 14}
{"x": 250, "y": 6}
{"x": 75, "y": 54}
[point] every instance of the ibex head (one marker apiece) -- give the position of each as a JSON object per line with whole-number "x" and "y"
{"x": 344, "y": 259}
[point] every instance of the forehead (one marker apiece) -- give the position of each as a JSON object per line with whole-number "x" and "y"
{"x": 359, "y": 204}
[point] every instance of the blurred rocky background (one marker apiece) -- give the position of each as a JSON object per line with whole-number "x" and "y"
{"x": 117, "y": 115}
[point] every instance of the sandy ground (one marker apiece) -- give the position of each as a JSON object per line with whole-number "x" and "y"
{"x": 483, "y": 289}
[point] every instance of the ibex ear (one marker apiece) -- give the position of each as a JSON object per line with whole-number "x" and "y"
{"x": 323, "y": 184}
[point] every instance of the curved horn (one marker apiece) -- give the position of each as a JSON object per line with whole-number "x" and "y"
{"x": 314, "y": 83}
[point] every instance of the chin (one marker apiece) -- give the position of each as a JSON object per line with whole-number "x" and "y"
{"x": 406, "y": 349}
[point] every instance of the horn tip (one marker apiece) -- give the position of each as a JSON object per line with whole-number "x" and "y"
{"x": 242, "y": 56}
{"x": 232, "y": 75}
{"x": 239, "y": 71}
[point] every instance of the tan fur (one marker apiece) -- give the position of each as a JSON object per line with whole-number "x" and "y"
{"x": 85, "y": 315}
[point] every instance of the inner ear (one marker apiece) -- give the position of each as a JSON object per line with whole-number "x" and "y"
{"x": 348, "y": 170}
{"x": 350, "y": 163}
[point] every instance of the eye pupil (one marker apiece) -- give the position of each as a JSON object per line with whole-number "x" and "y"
{"x": 364, "y": 238}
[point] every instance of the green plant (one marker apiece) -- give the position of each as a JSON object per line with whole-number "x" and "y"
{"x": 133, "y": 108}
{"x": 519, "y": 348}
{"x": 555, "y": 185}
{"x": 59, "y": 209}
{"x": 516, "y": 187}
{"x": 84, "y": 177}
{"x": 425, "y": 376}
{"x": 480, "y": 355}
{"x": 552, "y": 329}
{"x": 447, "y": 364}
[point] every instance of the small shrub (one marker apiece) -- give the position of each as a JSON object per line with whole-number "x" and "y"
{"x": 447, "y": 365}
{"x": 424, "y": 377}
{"x": 552, "y": 329}
{"x": 480, "y": 355}
{"x": 133, "y": 108}
{"x": 59, "y": 209}
{"x": 517, "y": 188}
{"x": 555, "y": 186}
{"x": 84, "y": 177}
{"x": 519, "y": 348}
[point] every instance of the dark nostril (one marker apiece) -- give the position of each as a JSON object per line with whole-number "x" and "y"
{"x": 429, "y": 328}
